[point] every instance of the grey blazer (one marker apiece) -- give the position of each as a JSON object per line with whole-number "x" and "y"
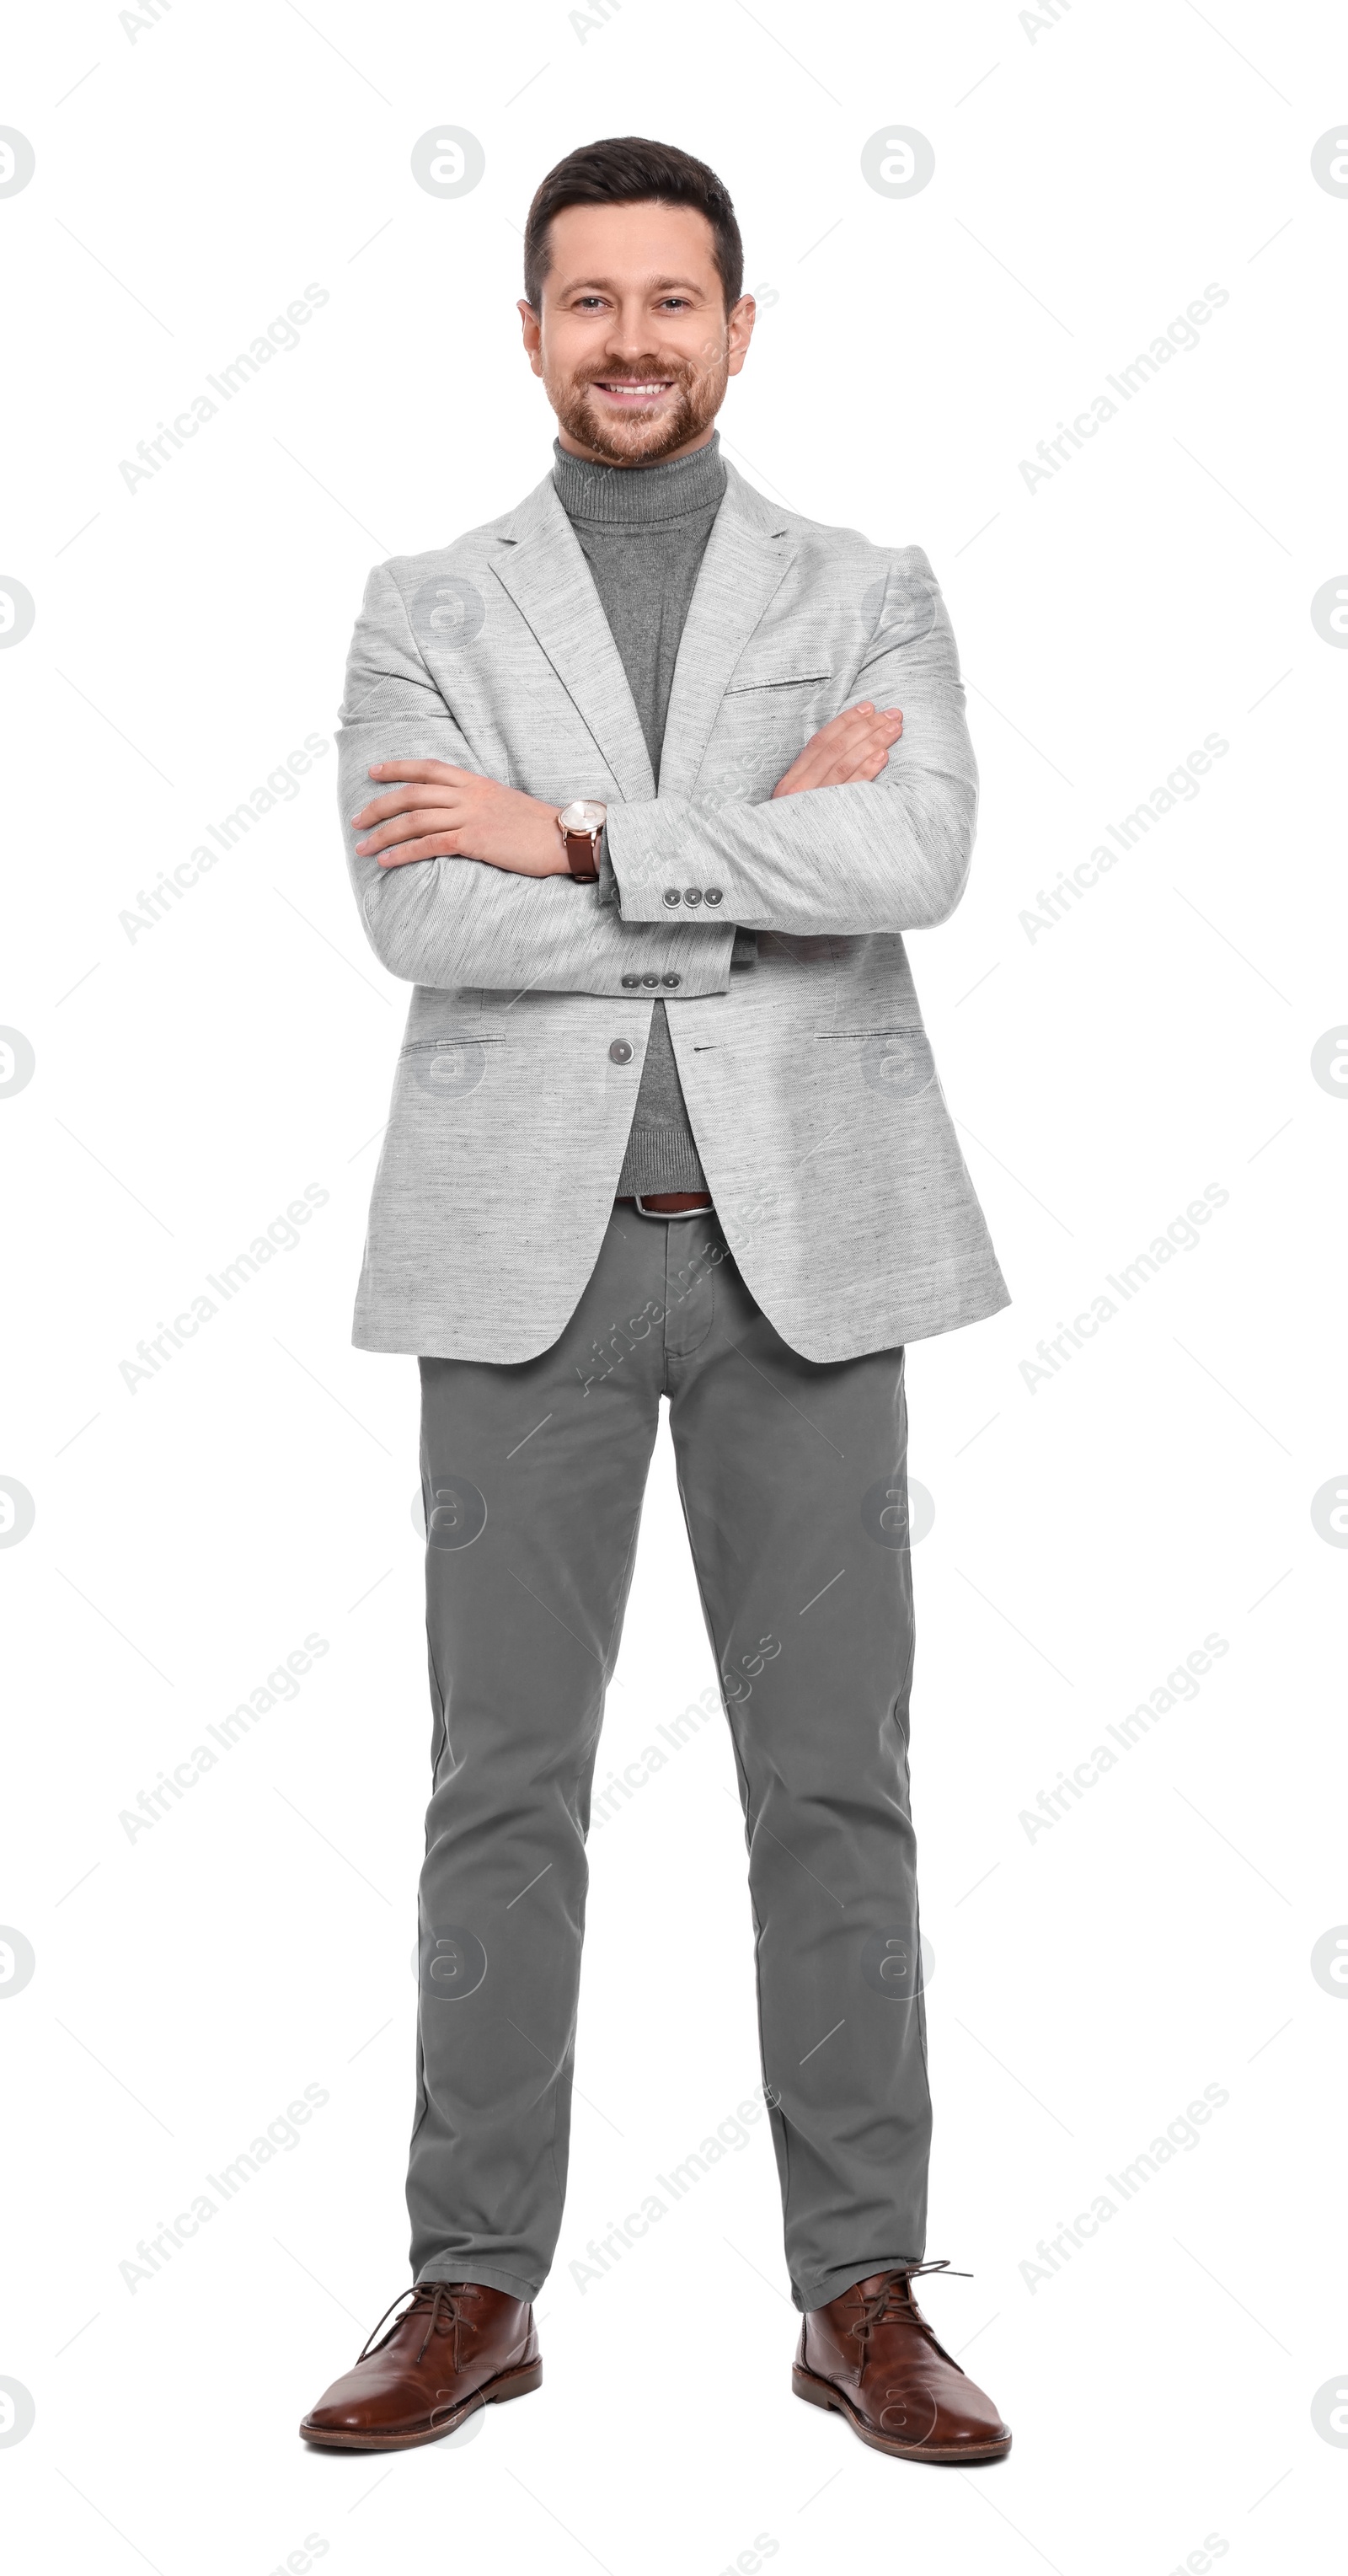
{"x": 809, "y": 1078}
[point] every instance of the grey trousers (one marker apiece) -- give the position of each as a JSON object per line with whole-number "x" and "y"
{"x": 792, "y": 1475}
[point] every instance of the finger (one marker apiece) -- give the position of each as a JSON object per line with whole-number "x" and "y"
{"x": 854, "y": 726}
{"x": 882, "y": 725}
{"x": 877, "y": 736}
{"x": 798, "y": 782}
{"x": 837, "y": 766}
{"x": 826, "y": 759}
{"x": 877, "y": 741}
{"x": 869, "y": 761}
{"x": 405, "y": 827}
{"x": 840, "y": 727}
{"x": 809, "y": 769}
{"x": 403, "y": 800}
{"x": 825, "y": 762}
{"x": 422, "y": 769}
{"x": 862, "y": 764}
{"x": 435, "y": 845}
{"x": 870, "y": 717}
{"x": 859, "y": 707}
{"x": 830, "y": 737}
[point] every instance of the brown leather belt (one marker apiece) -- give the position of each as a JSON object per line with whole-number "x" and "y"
{"x": 668, "y": 1202}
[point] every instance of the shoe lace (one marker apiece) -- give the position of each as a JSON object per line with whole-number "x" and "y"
{"x": 892, "y": 2304}
{"x": 439, "y": 2300}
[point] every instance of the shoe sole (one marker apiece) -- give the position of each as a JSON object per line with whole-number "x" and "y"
{"x": 821, "y": 2392}
{"x": 494, "y": 2392}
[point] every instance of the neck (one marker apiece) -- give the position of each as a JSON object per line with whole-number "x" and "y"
{"x": 590, "y": 488}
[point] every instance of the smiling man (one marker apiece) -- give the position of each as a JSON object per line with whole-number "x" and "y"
{"x": 662, "y": 773}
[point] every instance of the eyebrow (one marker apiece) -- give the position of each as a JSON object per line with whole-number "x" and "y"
{"x": 654, "y": 285}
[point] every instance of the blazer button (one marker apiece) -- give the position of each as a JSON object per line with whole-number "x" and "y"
{"x": 715, "y": 894}
{"x": 630, "y": 980}
{"x": 671, "y": 895}
{"x": 692, "y": 894}
{"x": 620, "y": 1052}
{"x": 671, "y": 979}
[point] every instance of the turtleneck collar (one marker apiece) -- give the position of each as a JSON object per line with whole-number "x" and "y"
{"x": 639, "y": 495}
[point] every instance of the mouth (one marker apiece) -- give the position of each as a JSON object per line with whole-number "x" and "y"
{"x": 633, "y": 393}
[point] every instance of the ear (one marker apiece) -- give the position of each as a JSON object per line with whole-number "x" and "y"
{"x": 532, "y": 329}
{"x": 739, "y": 331}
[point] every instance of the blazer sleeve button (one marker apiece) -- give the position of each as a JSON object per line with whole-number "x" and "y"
{"x": 670, "y": 896}
{"x": 692, "y": 894}
{"x": 671, "y": 979}
{"x": 620, "y": 1052}
{"x": 714, "y": 894}
{"x": 629, "y": 981}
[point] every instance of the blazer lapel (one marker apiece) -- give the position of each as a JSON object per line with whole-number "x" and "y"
{"x": 749, "y": 551}
{"x": 541, "y": 565}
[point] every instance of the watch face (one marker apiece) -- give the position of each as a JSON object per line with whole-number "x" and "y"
{"x": 584, "y": 816}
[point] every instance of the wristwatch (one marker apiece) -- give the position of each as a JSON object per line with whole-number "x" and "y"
{"x": 580, "y": 825}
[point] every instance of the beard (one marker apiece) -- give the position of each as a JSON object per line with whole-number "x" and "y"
{"x": 643, "y": 438}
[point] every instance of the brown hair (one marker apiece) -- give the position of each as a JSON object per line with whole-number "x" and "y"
{"x": 627, "y": 170}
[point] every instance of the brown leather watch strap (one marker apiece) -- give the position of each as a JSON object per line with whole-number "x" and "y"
{"x": 582, "y": 856}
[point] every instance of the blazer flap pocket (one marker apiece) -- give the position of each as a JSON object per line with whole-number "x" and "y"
{"x": 896, "y": 1061}
{"x": 448, "y": 1068}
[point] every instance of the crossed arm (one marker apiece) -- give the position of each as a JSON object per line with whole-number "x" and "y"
{"x": 430, "y": 810}
{"x": 849, "y": 843}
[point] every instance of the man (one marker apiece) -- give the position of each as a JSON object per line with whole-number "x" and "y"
{"x": 662, "y": 774}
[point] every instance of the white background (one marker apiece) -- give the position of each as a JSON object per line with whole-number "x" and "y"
{"x": 193, "y": 175}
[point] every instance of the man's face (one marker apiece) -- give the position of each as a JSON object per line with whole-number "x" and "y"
{"x": 633, "y": 342}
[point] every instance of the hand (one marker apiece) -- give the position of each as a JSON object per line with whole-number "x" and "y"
{"x": 854, "y": 745}
{"x": 441, "y": 813}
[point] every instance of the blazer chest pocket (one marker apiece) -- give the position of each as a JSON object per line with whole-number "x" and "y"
{"x": 764, "y": 720}
{"x": 753, "y": 684}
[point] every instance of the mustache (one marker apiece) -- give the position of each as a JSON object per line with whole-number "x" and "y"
{"x": 637, "y": 371}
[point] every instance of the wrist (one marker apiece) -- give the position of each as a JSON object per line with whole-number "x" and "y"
{"x": 546, "y": 854}
{"x": 580, "y": 831}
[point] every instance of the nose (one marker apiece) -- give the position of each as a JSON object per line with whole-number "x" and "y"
{"x": 629, "y": 334}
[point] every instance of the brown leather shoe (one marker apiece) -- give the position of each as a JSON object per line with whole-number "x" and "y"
{"x": 459, "y": 2346}
{"x": 873, "y": 2356}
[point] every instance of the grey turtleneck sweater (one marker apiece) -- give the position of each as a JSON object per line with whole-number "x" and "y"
{"x": 643, "y": 531}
